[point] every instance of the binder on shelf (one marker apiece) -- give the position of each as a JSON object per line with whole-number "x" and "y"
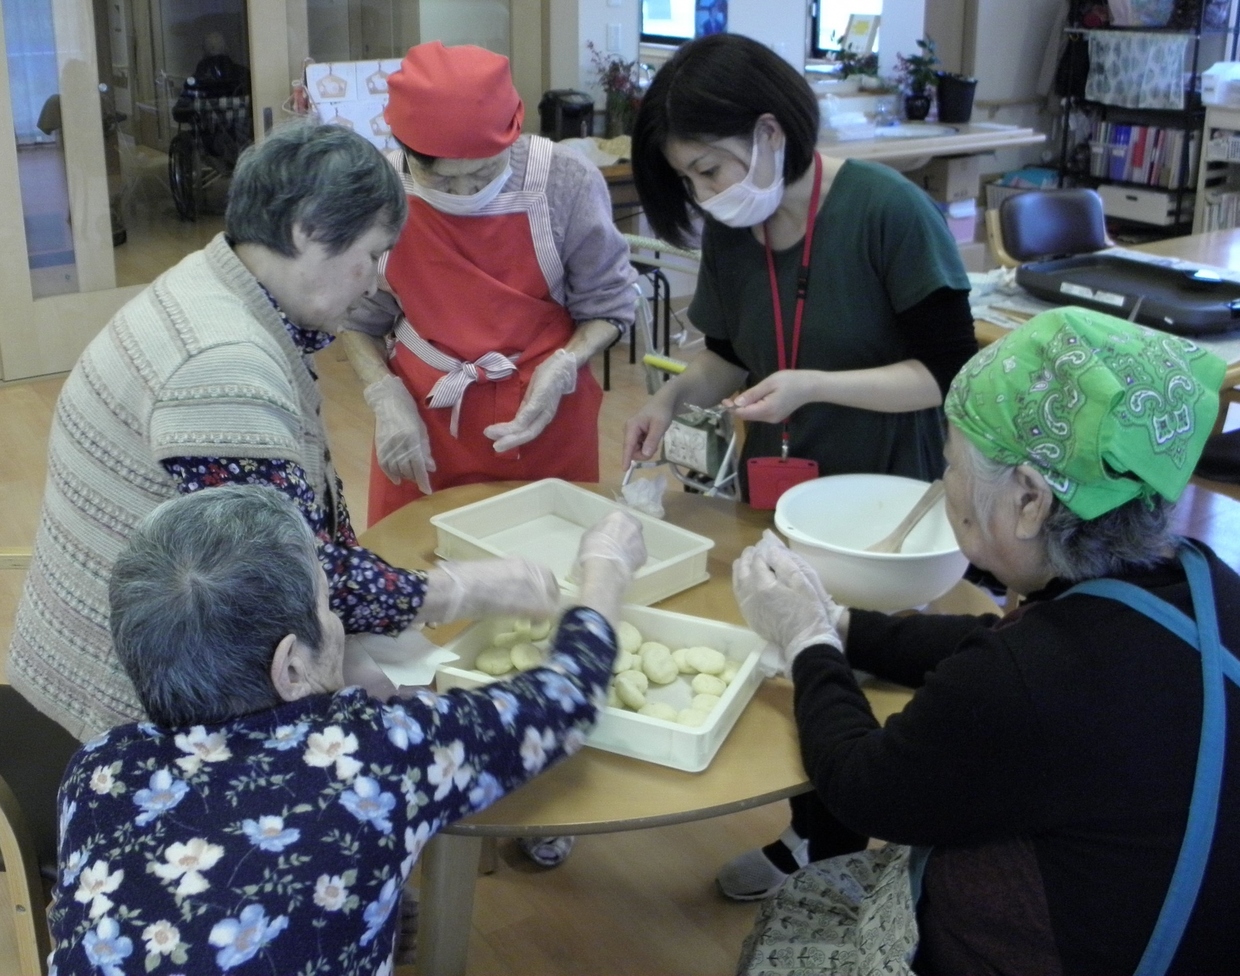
{"x": 1119, "y": 152}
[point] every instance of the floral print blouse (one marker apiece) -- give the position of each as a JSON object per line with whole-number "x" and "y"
{"x": 279, "y": 842}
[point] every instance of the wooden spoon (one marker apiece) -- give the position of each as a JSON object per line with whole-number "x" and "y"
{"x": 893, "y": 542}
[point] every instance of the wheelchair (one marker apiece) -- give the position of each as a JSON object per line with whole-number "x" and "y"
{"x": 213, "y": 130}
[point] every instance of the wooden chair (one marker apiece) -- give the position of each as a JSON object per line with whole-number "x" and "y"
{"x": 25, "y": 886}
{"x": 1046, "y": 223}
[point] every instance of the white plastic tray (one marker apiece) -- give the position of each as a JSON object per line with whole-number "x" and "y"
{"x": 544, "y": 521}
{"x": 639, "y": 736}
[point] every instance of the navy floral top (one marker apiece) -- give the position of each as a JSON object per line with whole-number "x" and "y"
{"x": 368, "y": 594}
{"x": 279, "y": 842}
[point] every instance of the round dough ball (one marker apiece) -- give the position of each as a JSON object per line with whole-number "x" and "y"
{"x": 506, "y": 639}
{"x": 658, "y": 710}
{"x": 682, "y": 664}
{"x": 651, "y": 646}
{"x": 729, "y": 672}
{"x": 658, "y": 665}
{"x": 639, "y": 677}
{"x": 704, "y": 703}
{"x": 691, "y": 717}
{"x": 540, "y": 630}
{"x": 631, "y": 691}
{"x": 629, "y": 637}
{"x": 494, "y": 660}
{"x": 624, "y": 662}
{"x": 705, "y": 660}
{"x": 522, "y": 626}
{"x": 526, "y": 657}
{"x": 708, "y": 684}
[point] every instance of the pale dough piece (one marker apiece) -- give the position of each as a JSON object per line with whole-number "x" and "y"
{"x": 658, "y": 710}
{"x": 612, "y": 698}
{"x": 682, "y": 665}
{"x": 704, "y": 703}
{"x": 525, "y": 656}
{"x": 658, "y": 665}
{"x": 630, "y": 637}
{"x": 692, "y": 717}
{"x": 540, "y": 630}
{"x": 624, "y": 662}
{"x": 630, "y": 691}
{"x": 730, "y": 671}
{"x": 708, "y": 684}
{"x": 494, "y": 660}
{"x": 522, "y": 626}
{"x": 640, "y": 677}
{"x": 705, "y": 659}
{"x": 652, "y": 645}
{"x": 506, "y": 638}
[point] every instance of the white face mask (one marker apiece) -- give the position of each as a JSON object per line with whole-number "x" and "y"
{"x": 745, "y": 204}
{"x": 462, "y": 204}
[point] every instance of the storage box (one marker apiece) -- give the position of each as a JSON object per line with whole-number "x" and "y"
{"x": 952, "y": 178}
{"x": 961, "y": 217}
{"x": 544, "y": 521}
{"x": 1145, "y": 206}
{"x": 641, "y": 736}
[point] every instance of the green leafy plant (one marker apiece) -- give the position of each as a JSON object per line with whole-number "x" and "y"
{"x": 915, "y": 73}
{"x": 852, "y": 62}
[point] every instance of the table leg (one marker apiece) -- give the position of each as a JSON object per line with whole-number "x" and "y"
{"x": 449, "y": 868}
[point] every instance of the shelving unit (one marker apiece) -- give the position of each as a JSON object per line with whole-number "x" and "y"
{"x": 1145, "y": 161}
{"x": 1218, "y": 182}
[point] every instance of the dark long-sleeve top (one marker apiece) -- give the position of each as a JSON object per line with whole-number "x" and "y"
{"x": 1048, "y": 758}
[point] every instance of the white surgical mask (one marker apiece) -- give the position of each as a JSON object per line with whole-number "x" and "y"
{"x": 745, "y": 204}
{"x": 462, "y": 204}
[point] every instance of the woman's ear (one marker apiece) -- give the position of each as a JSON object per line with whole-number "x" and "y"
{"x": 288, "y": 669}
{"x": 1034, "y": 499}
{"x": 769, "y": 125}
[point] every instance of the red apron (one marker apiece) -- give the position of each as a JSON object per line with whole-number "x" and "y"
{"x": 471, "y": 287}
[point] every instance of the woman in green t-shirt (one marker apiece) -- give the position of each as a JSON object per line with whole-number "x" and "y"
{"x": 727, "y": 131}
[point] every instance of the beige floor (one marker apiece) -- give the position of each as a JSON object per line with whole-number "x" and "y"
{"x": 635, "y": 903}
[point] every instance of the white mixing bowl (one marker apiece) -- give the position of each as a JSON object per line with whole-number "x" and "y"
{"x": 831, "y": 520}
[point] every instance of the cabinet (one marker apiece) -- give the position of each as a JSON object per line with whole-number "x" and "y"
{"x": 1218, "y": 182}
{"x": 1132, "y": 125}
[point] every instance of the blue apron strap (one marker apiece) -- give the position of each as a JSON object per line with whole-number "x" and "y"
{"x": 1203, "y": 808}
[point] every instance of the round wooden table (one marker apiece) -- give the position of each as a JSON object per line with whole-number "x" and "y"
{"x": 601, "y": 792}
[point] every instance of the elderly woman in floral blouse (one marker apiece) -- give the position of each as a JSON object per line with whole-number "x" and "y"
{"x": 266, "y": 819}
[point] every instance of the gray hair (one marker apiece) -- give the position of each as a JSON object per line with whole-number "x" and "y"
{"x": 205, "y": 588}
{"x": 1136, "y": 535}
{"x": 328, "y": 180}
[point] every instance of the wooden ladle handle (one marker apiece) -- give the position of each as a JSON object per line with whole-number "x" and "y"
{"x": 893, "y": 541}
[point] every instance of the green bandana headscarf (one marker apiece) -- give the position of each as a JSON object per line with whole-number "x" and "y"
{"x": 1107, "y": 410}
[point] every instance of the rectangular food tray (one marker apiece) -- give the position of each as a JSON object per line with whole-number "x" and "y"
{"x": 639, "y": 736}
{"x": 544, "y": 521}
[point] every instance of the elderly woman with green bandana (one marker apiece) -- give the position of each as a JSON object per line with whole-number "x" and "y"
{"x": 1058, "y": 766}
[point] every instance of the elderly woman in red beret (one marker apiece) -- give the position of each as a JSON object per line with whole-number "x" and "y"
{"x": 509, "y": 275}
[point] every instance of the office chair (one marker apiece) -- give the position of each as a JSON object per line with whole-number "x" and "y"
{"x": 1047, "y": 224}
{"x": 25, "y": 887}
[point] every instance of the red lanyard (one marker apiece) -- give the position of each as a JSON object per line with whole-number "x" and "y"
{"x": 802, "y": 285}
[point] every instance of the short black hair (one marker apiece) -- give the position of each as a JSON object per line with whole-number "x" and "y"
{"x": 324, "y": 178}
{"x": 713, "y": 88}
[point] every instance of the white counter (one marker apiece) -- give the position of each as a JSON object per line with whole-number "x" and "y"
{"x": 905, "y": 154}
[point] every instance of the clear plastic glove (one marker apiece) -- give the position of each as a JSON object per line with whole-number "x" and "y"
{"x": 780, "y": 600}
{"x": 608, "y": 556}
{"x": 401, "y": 445}
{"x": 476, "y": 588}
{"x": 554, "y": 377}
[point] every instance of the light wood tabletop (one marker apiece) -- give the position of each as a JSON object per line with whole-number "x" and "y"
{"x": 596, "y": 791}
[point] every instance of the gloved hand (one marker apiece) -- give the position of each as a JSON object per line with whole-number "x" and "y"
{"x": 553, "y": 378}
{"x": 477, "y": 588}
{"x": 401, "y": 445}
{"x": 608, "y": 556}
{"x": 783, "y": 601}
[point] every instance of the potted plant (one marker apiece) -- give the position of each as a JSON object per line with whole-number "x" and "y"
{"x": 917, "y": 74}
{"x": 622, "y": 90}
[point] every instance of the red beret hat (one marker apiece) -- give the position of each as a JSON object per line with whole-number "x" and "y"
{"x": 455, "y": 102}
